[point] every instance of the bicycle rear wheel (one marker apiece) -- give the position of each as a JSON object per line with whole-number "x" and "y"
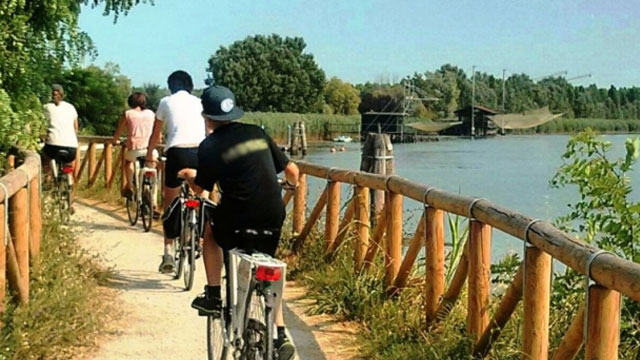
{"x": 190, "y": 254}
{"x": 64, "y": 200}
{"x": 258, "y": 331}
{"x": 146, "y": 208}
{"x": 178, "y": 256}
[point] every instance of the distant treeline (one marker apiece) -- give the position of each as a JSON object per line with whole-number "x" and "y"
{"x": 453, "y": 89}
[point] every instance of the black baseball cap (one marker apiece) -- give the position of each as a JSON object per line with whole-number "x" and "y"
{"x": 219, "y": 104}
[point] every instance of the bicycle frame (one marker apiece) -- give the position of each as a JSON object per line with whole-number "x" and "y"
{"x": 241, "y": 282}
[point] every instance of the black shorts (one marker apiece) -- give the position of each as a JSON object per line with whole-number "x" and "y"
{"x": 61, "y": 154}
{"x": 178, "y": 159}
{"x": 250, "y": 240}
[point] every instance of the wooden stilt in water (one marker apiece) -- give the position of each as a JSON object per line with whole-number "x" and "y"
{"x": 377, "y": 158}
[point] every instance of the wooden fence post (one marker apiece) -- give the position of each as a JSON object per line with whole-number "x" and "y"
{"x": 537, "y": 288}
{"x": 3, "y": 259}
{"x": 479, "y": 278}
{"x": 573, "y": 338}
{"x": 76, "y": 166}
{"x": 92, "y": 159}
{"x": 434, "y": 245}
{"x": 393, "y": 248}
{"x": 19, "y": 228}
{"x": 362, "y": 225}
{"x": 603, "y": 330}
{"x": 108, "y": 162}
{"x": 315, "y": 214}
{"x": 35, "y": 219}
{"x": 333, "y": 213}
{"x": 417, "y": 243}
{"x": 123, "y": 177}
{"x": 299, "y": 204}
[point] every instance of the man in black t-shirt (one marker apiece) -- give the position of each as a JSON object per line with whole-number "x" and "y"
{"x": 244, "y": 161}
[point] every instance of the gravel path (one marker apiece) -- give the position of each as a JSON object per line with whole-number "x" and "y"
{"x": 157, "y": 321}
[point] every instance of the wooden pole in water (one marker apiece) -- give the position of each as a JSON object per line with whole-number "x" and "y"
{"x": 434, "y": 248}
{"x": 333, "y": 213}
{"x": 603, "y": 329}
{"x": 537, "y": 289}
{"x": 35, "y": 219}
{"x": 377, "y": 158}
{"x": 303, "y": 138}
{"x": 362, "y": 225}
{"x": 299, "y": 204}
{"x": 296, "y": 139}
{"x": 393, "y": 248}
{"x": 108, "y": 162}
{"x": 479, "y": 278}
{"x": 18, "y": 227}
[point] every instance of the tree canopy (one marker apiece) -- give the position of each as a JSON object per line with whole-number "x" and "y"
{"x": 99, "y": 96}
{"x": 341, "y": 97}
{"x": 270, "y": 73}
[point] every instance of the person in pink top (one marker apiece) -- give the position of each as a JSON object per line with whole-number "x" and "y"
{"x": 139, "y": 123}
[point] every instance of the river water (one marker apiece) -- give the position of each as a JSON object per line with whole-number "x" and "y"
{"x": 512, "y": 171}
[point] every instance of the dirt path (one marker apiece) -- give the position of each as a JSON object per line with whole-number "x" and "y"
{"x": 157, "y": 321}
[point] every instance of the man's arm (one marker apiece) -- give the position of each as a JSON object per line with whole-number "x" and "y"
{"x": 189, "y": 175}
{"x": 154, "y": 140}
{"x": 292, "y": 174}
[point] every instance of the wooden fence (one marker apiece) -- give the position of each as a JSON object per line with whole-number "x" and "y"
{"x": 21, "y": 225}
{"x": 611, "y": 275}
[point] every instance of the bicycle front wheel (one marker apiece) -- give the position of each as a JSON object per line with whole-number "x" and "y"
{"x": 190, "y": 260}
{"x": 132, "y": 210}
{"x": 146, "y": 208}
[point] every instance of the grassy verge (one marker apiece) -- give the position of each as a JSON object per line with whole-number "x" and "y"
{"x": 316, "y": 125}
{"x": 66, "y": 310}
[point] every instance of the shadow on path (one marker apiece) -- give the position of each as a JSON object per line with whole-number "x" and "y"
{"x": 145, "y": 281}
{"x": 114, "y": 215}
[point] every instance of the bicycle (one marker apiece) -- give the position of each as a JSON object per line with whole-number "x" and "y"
{"x": 62, "y": 188}
{"x": 252, "y": 288}
{"x": 187, "y": 247}
{"x": 141, "y": 202}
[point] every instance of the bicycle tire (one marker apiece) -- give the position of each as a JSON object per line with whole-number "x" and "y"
{"x": 64, "y": 201}
{"x": 255, "y": 333}
{"x": 146, "y": 209}
{"x": 178, "y": 257}
{"x": 269, "y": 318}
{"x": 132, "y": 210}
{"x": 216, "y": 347}
{"x": 190, "y": 261}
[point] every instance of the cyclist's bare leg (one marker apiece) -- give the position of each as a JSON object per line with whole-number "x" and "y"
{"x": 212, "y": 257}
{"x": 128, "y": 171}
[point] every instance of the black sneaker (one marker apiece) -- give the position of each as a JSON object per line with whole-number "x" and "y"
{"x": 168, "y": 264}
{"x": 285, "y": 348}
{"x": 207, "y": 306}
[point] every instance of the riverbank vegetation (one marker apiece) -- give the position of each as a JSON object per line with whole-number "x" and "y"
{"x": 393, "y": 328}
{"x": 66, "y": 310}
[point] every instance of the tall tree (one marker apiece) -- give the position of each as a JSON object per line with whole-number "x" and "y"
{"x": 342, "y": 97}
{"x": 270, "y": 73}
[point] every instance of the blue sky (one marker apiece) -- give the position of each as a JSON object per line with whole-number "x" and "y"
{"x": 360, "y": 41}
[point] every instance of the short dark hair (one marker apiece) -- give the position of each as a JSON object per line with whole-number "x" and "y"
{"x": 137, "y": 99}
{"x": 180, "y": 80}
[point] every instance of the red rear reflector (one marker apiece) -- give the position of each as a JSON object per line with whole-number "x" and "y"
{"x": 67, "y": 169}
{"x": 192, "y": 203}
{"x": 149, "y": 174}
{"x": 265, "y": 273}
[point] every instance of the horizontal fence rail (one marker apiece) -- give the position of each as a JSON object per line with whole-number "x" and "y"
{"x": 21, "y": 224}
{"x": 613, "y": 276}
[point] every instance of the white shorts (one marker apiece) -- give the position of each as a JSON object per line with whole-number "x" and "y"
{"x": 132, "y": 155}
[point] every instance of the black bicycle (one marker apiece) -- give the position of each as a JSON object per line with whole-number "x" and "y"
{"x": 60, "y": 199}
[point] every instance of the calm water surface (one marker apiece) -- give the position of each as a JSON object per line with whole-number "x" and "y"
{"x": 512, "y": 171}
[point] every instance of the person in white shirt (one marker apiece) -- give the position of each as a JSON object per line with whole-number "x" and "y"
{"x": 62, "y": 125}
{"x": 180, "y": 113}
